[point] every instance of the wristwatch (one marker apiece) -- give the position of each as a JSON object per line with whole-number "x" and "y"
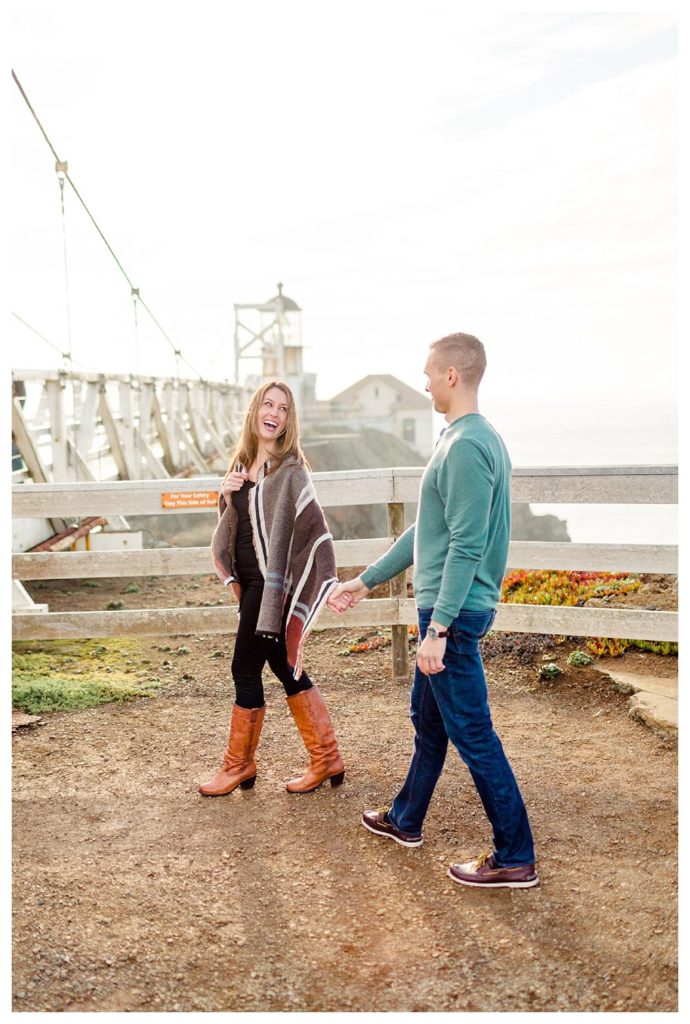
{"x": 436, "y": 634}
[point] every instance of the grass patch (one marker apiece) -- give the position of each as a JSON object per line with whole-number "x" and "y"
{"x": 68, "y": 675}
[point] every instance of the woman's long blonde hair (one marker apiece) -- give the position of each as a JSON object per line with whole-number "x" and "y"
{"x": 288, "y": 443}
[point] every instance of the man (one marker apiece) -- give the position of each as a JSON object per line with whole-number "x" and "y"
{"x": 459, "y": 547}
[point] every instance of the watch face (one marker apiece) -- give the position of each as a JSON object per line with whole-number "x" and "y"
{"x": 432, "y": 633}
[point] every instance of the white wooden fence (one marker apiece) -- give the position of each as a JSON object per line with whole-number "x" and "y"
{"x": 625, "y": 485}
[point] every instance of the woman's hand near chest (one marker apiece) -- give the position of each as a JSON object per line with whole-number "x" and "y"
{"x": 233, "y": 482}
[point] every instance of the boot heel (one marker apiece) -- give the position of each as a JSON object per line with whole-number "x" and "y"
{"x": 248, "y": 783}
{"x": 337, "y": 780}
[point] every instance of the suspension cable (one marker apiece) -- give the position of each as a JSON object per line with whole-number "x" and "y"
{"x": 61, "y": 169}
{"x": 52, "y": 344}
{"x": 135, "y": 296}
{"x": 176, "y": 351}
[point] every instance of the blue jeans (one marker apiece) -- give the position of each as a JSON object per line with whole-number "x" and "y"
{"x": 454, "y": 705}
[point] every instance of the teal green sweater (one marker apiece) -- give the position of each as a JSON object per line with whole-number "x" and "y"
{"x": 459, "y": 543}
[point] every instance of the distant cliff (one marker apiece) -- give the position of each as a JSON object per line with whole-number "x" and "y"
{"x": 528, "y": 526}
{"x": 342, "y": 448}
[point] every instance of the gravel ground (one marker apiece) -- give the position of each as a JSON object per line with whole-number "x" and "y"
{"x": 133, "y": 893}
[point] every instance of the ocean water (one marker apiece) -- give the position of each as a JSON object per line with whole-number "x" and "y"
{"x": 617, "y": 524}
{"x": 602, "y": 434}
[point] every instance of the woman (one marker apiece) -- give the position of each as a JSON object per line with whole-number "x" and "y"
{"x": 273, "y": 546}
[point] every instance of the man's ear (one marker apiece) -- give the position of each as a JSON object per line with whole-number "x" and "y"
{"x": 452, "y": 376}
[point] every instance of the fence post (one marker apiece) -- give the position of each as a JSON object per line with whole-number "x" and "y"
{"x": 398, "y": 588}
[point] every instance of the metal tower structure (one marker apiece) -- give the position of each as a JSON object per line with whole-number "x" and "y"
{"x": 268, "y": 338}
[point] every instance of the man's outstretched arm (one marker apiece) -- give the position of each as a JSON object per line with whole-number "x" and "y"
{"x": 396, "y": 560}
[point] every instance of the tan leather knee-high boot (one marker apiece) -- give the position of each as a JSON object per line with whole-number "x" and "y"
{"x": 239, "y": 767}
{"x": 314, "y": 723}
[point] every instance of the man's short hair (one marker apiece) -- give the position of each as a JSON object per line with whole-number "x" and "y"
{"x": 464, "y": 352}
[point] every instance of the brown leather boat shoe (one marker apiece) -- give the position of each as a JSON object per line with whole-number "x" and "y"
{"x": 484, "y": 873}
{"x": 376, "y": 821}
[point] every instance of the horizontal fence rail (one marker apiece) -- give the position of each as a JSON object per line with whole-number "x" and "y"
{"x": 64, "y": 565}
{"x": 625, "y": 485}
{"x": 511, "y": 618}
{"x": 568, "y": 485}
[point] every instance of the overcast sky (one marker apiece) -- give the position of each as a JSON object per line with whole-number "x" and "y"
{"x": 405, "y": 169}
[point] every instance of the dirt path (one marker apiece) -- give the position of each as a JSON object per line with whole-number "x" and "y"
{"x": 131, "y": 892}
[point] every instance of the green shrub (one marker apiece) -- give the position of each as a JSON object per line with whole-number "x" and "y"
{"x": 561, "y": 587}
{"x": 613, "y": 647}
{"x": 579, "y": 658}
{"x": 558, "y": 587}
{"x": 656, "y": 646}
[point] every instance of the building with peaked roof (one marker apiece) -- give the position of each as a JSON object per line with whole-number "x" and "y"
{"x": 382, "y": 402}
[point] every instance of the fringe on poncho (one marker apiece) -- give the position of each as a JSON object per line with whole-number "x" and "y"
{"x": 294, "y": 549}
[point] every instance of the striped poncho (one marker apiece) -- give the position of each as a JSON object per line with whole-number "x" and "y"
{"x": 294, "y": 549}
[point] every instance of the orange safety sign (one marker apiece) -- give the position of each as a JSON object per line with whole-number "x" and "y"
{"x": 189, "y": 499}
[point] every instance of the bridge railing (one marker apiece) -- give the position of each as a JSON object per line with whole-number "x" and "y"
{"x": 624, "y": 485}
{"x": 68, "y": 425}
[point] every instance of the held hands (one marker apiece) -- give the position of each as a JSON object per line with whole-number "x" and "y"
{"x": 233, "y": 482}
{"x": 347, "y": 595}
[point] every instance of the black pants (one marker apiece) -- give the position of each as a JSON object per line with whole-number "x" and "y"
{"x": 252, "y": 652}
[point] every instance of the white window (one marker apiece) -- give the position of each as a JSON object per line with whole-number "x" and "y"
{"x": 408, "y": 430}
